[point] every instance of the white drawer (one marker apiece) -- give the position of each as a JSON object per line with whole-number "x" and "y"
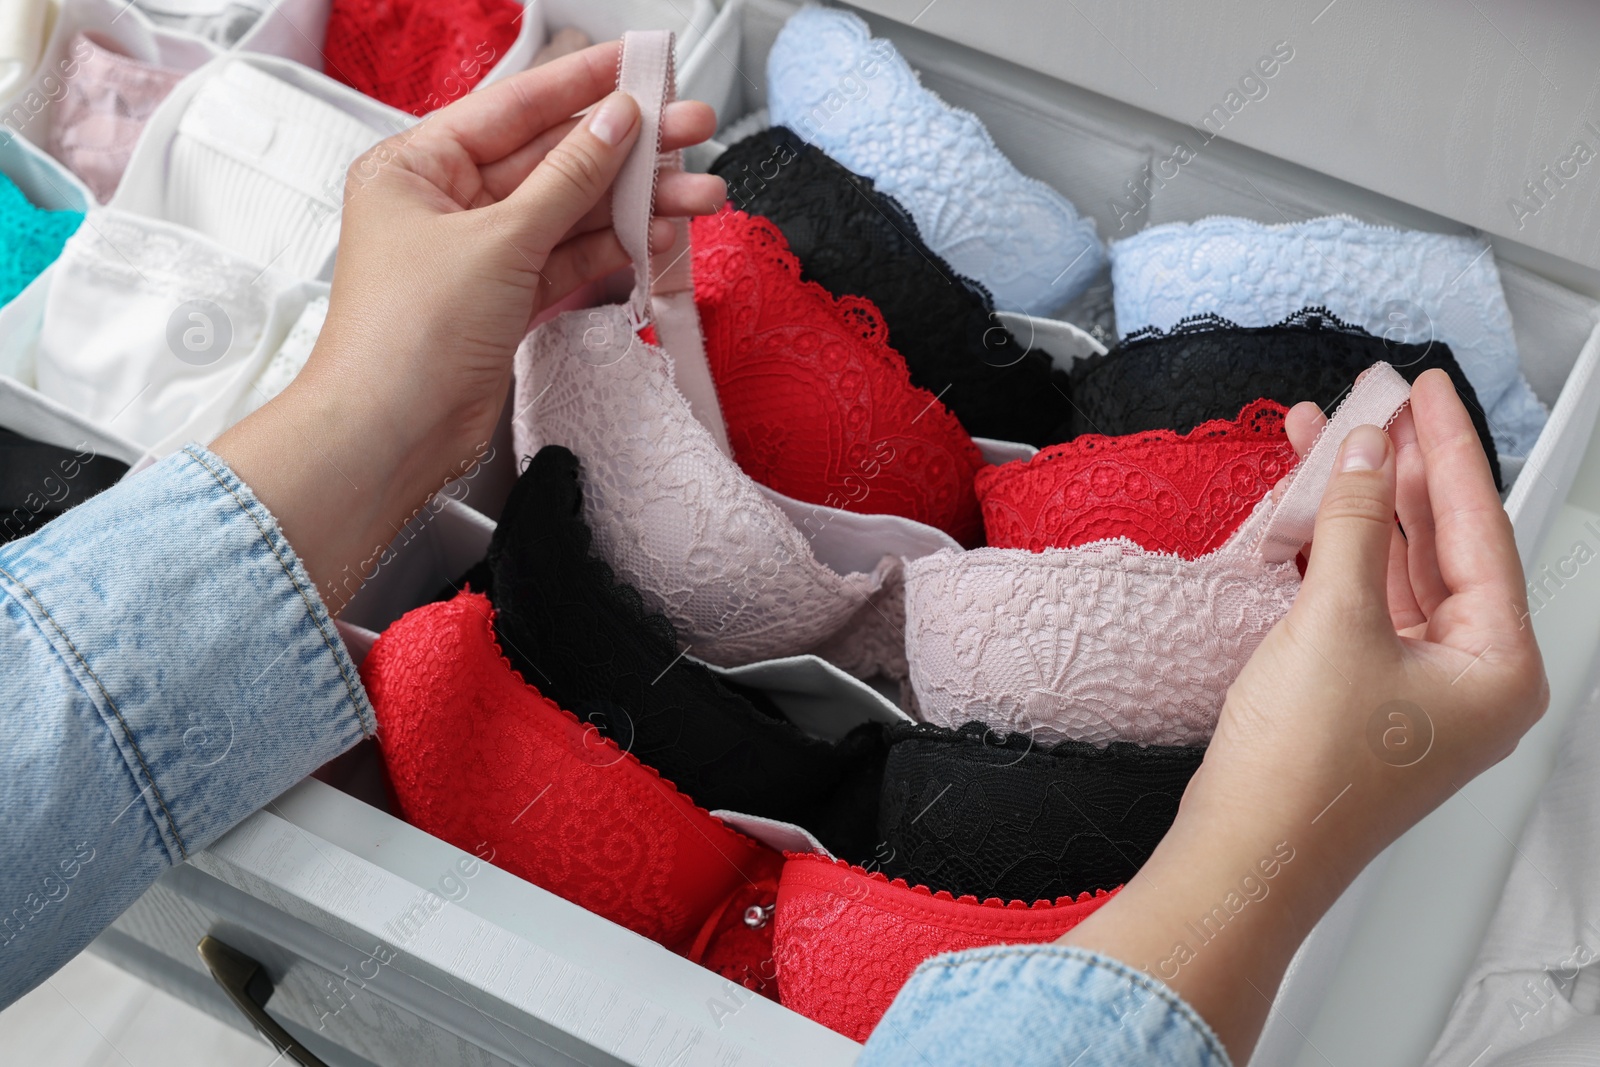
{"x": 509, "y": 973}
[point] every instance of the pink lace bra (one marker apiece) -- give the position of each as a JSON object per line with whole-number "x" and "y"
{"x": 1109, "y": 641}
{"x": 671, "y": 513}
{"x": 102, "y": 112}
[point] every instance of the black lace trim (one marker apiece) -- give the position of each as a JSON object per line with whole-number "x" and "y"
{"x": 852, "y": 239}
{"x": 1312, "y": 318}
{"x": 588, "y": 642}
{"x": 974, "y": 812}
{"x": 1207, "y": 367}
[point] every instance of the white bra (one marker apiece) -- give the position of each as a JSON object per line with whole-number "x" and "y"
{"x": 671, "y": 513}
{"x": 1108, "y": 641}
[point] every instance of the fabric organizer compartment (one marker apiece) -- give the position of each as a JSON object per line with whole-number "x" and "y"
{"x": 185, "y": 337}
{"x": 259, "y": 182}
{"x": 33, "y": 110}
{"x": 699, "y": 26}
{"x": 447, "y": 537}
{"x": 1099, "y": 153}
{"x": 286, "y": 27}
{"x": 292, "y": 29}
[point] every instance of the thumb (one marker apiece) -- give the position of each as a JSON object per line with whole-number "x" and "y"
{"x": 574, "y": 176}
{"x": 1355, "y": 525}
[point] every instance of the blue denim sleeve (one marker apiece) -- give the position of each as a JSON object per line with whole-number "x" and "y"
{"x": 1038, "y": 1006}
{"x": 166, "y": 668}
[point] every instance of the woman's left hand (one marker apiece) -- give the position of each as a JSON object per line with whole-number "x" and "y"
{"x": 456, "y": 234}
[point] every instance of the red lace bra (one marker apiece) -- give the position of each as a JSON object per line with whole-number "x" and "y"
{"x": 418, "y": 55}
{"x": 478, "y": 757}
{"x": 845, "y": 940}
{"x": 817, "y": 404}
{"x": 1166, "y": 492}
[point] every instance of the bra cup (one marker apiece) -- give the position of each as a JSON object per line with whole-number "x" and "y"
{"x": 817, "y": 403}
{"x": 1019, "y": 237}
{"x": 1401, "y": 285}
{"x": 1099, "y": 643}
{"x": 845, "y": 941}
{"x": 675, "y": 517}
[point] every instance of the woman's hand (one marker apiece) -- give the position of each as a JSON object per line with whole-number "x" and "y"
{"x": 1405, "y": 667}
{"x": 455, "y": 235}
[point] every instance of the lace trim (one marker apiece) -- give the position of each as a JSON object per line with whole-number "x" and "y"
{"x": 1311, "y": 318}
{"x": 900, "y": 885}
{"x": 815, "y": 400}
{"x": 979, "y": 735}
{"x": 1407, "y": 286}
{"x": 1015, "y": 233}
{"x": 851, "y": 238}
{"x": 672, "y": 515}
{"x": 1180, "y": 493}
{"x": 1206, "y": 367}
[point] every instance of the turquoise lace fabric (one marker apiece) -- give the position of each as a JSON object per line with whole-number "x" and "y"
{"x": 837, "y": 87}
{"x": 30, "y": 238}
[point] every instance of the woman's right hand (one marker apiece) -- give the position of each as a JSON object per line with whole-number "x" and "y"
{"x": 1406, "y": 666}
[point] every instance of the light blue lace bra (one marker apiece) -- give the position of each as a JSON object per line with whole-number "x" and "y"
{"x": 30, "y": 238}
{"x": 1405, "y": 285}
{"x": 854, "y": 97}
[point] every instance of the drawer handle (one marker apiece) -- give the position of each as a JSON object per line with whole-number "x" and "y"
{"x": 234, "y": 971}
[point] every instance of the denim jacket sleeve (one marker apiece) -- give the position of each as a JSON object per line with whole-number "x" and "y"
{"x": 166, "y": 668}
{"x": 1038, "y": 1006}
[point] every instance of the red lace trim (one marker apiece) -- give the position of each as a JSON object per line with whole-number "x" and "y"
{"x": 847, "y": 939}
{"x": 479, "y": 758}
{"x": 817, "y": 404}
{"x": 1167, "y": 492}
{"x": 418, "y": 55}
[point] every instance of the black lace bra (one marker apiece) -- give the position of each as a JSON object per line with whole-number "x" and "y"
{"x": 1207, "y": 368}
{"x": 971, "y": 811}
{"x": 587, "y": 643}
{"x": 39, "y": 481}
{"x": 854, "y": 240}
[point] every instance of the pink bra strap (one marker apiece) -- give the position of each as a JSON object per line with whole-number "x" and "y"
{"x": 1376, "y": 399}
{"x": 647, "y": 75}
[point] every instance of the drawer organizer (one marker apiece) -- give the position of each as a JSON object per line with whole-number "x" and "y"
{"x": 481, "y": 967}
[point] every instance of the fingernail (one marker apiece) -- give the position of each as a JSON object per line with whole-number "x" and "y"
{"x": 613, "y": 119}
{"x": 1364, "y": 449}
